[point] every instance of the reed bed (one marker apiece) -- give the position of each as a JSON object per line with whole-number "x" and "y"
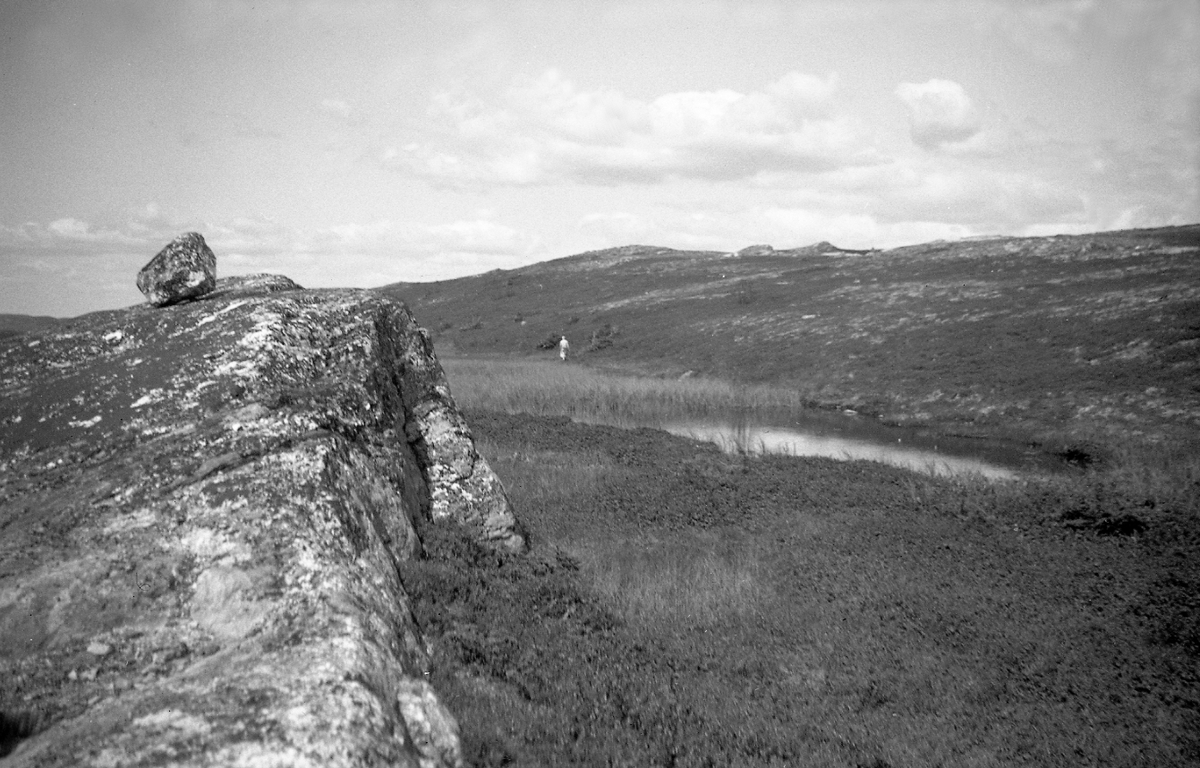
{"x": 547, "y": 388}
{"x": 1127, "y": 478}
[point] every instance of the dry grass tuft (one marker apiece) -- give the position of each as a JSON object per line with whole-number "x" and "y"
{"x": 547, "y": 388}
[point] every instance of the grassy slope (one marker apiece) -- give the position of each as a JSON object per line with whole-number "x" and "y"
{"x": 1087, "y": 336}
{"x": 11, "y": 325}
{"x": 686, "y": 608}
{"x": 681, "y": 607}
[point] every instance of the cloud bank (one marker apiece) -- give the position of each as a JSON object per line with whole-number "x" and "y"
{"x": 548, "y": 130}
{"x": 939, "y": 112}
{"x": 93, "y": 265}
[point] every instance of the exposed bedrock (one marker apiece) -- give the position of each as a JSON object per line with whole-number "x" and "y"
{"x": 202, "y": 508}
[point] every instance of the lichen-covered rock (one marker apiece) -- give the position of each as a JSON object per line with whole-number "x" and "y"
{"x": 203, "y": 508}
{"x": 252, "y": 285}
{"x": 185, "y": 269}
{"x": 462, "y": 486}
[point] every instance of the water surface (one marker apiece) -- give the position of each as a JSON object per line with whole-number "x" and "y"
{"x": 850, "y": 437}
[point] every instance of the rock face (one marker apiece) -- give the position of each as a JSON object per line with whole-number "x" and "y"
{"x": 202, "y": 510}
{"x": 185, "y": 269}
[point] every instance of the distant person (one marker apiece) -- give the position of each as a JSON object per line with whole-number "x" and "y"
{"x": 564, "y": 346}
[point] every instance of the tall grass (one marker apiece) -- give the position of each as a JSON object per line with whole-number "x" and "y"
{"x": 682, "y": 581}
{"x": 1128, "y": 478}
{"x": 788, "y": 611}
{"x": 689, "y": 579}
{"x": 547, "y": 388}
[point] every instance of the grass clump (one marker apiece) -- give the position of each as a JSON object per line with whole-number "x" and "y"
{"x": 688, "y": 579}
{"x": 540, "y": 672}
{"x": 547, "y": 388}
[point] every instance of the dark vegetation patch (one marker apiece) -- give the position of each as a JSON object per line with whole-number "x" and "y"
{"x": 1080, "y": 457}
{"x": 1173, "y": 610}
{"x": 15, "y": 727}
{"x": 539, "y": 672}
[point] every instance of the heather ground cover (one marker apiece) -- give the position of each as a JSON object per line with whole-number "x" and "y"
{"x": 687, "y": 607}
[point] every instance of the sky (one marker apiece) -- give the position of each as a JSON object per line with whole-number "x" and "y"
{"x": 346, "y": 143}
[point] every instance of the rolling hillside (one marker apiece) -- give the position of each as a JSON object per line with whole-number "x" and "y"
{"x": 1083, "y": 337}
{"x": 11, "y": 325}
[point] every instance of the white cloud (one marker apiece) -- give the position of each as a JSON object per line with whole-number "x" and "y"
{"x": 70, "y": 229}
{"x": 939, "y": 111}
{"x": 478, "y": 236}
{"x": 952, "y": 191}
{"x": 336, "y": 107}
{"x": 370, "y": 253}
{"x": 781, "y": 226}
{"x": 94, "y": 265}
{"x": 990, "y": 199}
{"x": 147, "y": 230}
{"x": 69, "y": 236}
{"x": 909, "y": 200}
{"x": 1048, "y": 31}
{"x": 548, "y": 130}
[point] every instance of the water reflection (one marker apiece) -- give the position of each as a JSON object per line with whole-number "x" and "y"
{"x": 892, "y": 449}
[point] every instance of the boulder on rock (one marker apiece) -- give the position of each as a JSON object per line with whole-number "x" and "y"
{"x": 203, "y": 512}
{"x": 185, "y": 269}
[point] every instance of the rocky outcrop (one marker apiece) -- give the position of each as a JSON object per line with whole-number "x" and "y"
{"x": 823, "y": 248}
{"x": 202, "y": 509}
{"x": 185, "y": 269}
{"x": 755, "y": 250}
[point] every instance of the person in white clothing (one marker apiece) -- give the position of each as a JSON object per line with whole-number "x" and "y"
{"x": 563, "y": 347}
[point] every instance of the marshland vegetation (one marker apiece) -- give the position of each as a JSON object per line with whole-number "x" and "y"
{"x": 686, "y": 606}
{"x": 549, "y": 388}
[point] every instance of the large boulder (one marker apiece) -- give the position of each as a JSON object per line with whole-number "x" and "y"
{"x": 202, "y": 514}
{"x": 185, "y": 269}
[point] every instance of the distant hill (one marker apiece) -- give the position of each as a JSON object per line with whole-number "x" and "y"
{"x": 11, "y": 325}
{"x": 1081, "y": 333}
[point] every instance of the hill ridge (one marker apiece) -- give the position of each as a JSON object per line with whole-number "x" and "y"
{"x": 1080, "y": 335}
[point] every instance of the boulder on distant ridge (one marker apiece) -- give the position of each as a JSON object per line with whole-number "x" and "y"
{"x": 185, "y": 269}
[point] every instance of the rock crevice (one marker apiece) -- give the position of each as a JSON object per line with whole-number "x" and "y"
{"x": 203, "y": 507}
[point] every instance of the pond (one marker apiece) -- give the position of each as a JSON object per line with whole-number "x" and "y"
{"x": 850, "y": 437}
